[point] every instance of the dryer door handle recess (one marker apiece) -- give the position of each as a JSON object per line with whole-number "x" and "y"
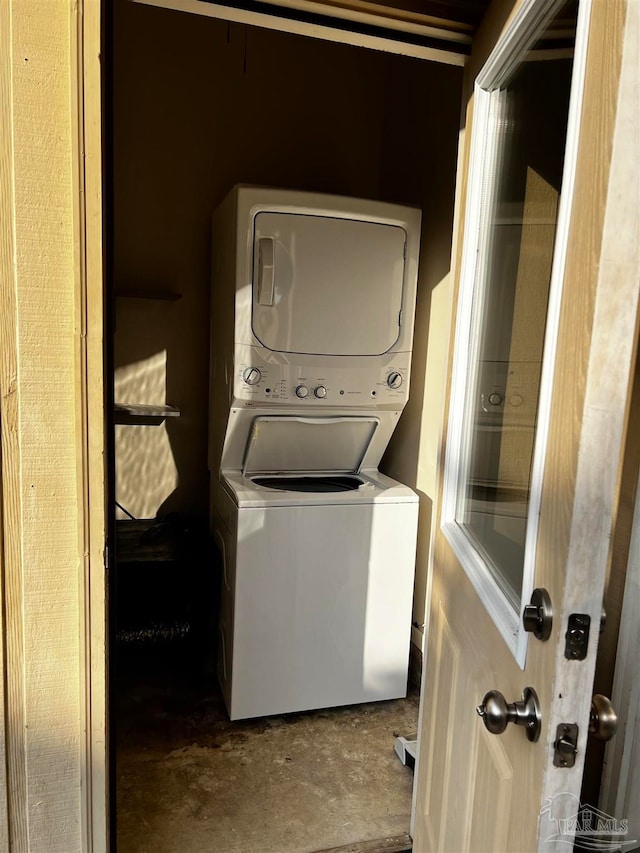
{"x": 266, "y": 270}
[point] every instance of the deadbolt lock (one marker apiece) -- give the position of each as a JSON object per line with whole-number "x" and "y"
{"x": 497, "y": 713}
{"x": 537, "y": 617}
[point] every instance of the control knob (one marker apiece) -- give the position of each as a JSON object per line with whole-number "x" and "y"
{"x": 320, "y": 392}
{"x": 252, "y": 375}
{"x": 394, "y": 379}
{"x": 302, "y": 391}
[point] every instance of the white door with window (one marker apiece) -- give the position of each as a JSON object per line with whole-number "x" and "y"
{"x": 545, "y": 337}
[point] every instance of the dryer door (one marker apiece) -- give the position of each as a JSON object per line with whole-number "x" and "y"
{"x": 327, "y": 286}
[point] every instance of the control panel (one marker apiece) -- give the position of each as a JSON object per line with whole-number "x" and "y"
{"x": 334, "y": 385}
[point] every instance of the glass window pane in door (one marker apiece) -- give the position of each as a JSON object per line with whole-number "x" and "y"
{"x": 518, "y": 224}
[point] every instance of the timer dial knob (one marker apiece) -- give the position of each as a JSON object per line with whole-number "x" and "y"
{"x": 302, "y": 391}
{"x": 252, "y": 376}
{"x": 320, "y": 392}
{"x": 394, "y": 379}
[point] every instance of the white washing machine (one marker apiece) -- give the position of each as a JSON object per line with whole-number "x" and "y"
{"x": 312, "y": 320}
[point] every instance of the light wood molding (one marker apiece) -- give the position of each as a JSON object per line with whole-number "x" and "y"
{"x": 603, "y": 274}
{"x": 383, "y": 15}
{"x": 52, "y": 428}
{"x": 91, "y": 422}
{"x": 13, "y": 825}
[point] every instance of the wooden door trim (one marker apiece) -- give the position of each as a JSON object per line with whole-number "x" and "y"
{"x": 13, "y": 772}
{"x": 52, "y": 428}
{"x": 605, "y": 261}
{"x": 86, "y": 76}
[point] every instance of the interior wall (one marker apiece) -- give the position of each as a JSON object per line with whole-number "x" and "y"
{"x": 420, "y": 146}
{"x": 200, "y": 105}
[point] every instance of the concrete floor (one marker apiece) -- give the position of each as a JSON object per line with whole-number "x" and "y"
{"x": 190, "y": 781}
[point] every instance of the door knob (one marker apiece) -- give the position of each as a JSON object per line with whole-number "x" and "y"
{"x": 603, "y": 720}
{"x": 497, "y": 713}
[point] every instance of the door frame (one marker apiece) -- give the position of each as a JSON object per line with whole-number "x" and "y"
{"x": 617, "y": 775}
{"x": 53, "y": 782}
{"x": 619, "y": 780}
{"x": 87, "y": 72}
{"x": 611, "y": 364}
{"x": 86, "y": 78}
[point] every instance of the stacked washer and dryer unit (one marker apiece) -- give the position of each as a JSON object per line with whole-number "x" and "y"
{"x": 312, "y": 323}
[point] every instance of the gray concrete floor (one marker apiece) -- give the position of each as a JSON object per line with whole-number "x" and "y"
{"x": 190, "y": 781}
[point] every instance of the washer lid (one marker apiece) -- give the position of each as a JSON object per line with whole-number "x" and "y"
{"x": 287, "y": 443}
{"x": 325, "y": 285}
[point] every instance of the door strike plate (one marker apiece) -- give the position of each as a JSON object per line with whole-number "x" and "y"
{"x": 577, "y": 636}
{"x": 565, "y": 746}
